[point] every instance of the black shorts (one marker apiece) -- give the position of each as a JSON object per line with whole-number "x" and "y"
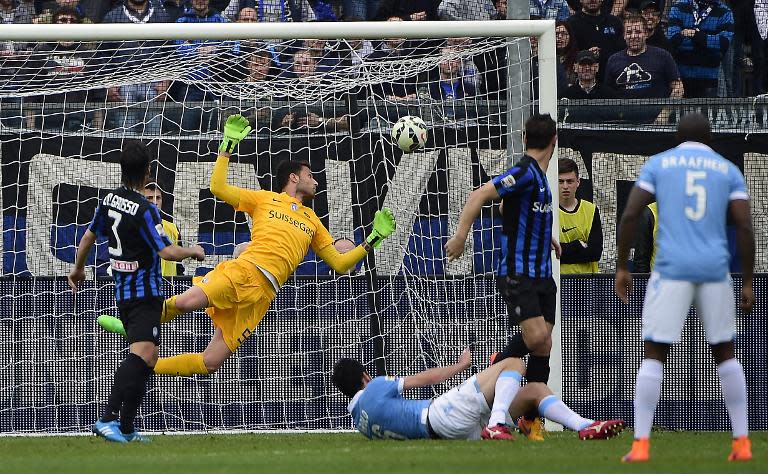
{"x": 141, "y": 319}
{"x": 528, "y": 297}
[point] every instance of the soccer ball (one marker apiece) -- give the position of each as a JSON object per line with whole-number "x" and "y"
{"x": 410, "y": 133}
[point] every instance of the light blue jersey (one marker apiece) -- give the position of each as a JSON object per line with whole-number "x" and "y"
{"x": 380, "y": 411}
{"x": 693, "y": 187}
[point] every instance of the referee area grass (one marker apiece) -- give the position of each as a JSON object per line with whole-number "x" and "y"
{"x": 673, "y": 452}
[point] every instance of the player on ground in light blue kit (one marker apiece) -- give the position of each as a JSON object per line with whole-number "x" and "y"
{"x": 483, "y": 401}
{"x": 695, "y": 189}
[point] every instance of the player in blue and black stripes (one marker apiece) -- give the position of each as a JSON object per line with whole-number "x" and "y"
{"x": 136, "y": 244}
{"x": 524, "y": 276}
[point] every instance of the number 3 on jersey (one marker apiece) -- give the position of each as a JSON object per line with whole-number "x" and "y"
{"x": 697, "y": 190}
{"x": 116, "y": 217}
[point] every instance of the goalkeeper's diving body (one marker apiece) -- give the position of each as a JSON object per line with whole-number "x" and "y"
{"x": 238, "y": 292}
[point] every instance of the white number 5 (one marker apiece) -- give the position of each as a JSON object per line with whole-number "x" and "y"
{"x": 116, "y": 217}
{"x": 698, "y": 190}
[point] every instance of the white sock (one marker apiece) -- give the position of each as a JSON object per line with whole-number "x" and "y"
{"x": 507, "y": 386}
{"x": 647, "y": 393}
{"x": 734, "y": 388}
{"x": 552, "y": 408}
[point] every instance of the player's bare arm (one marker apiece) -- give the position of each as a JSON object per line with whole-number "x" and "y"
{"x": 638, "y": 199}
{"x": 455, "y": 245}
{"x": 439, "y": 374}
{"x": 745, "y": 239}
{"x": 177, "y": 253}
{"x": 77, "y": 274}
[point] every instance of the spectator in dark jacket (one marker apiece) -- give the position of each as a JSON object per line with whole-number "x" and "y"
{"x": 586, "y": 86}
{"x": 137, "y": 11}
{"x": 700, "y": 32}
{"x": 656, "y": 34}
{"x": 60, "y": 66}
{"x": 175, "y": 8}
{"x": 597, "y": 31}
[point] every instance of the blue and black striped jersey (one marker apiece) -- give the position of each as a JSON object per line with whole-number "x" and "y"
{"x": 527, "y": 220}
{"x": 135, "y": 233}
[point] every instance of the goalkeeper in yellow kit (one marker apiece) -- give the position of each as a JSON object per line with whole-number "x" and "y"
{"x": 237, "y": 293}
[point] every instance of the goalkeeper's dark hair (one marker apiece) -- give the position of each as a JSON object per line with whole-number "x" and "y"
{"x": 134, "y": 164}
{"x": 567, "y": 165}
{"x": 348, "y": 376}
{"x": 286, "y": 169}
{"x": 694, "y": 127}
{"x": 539, "y": 131}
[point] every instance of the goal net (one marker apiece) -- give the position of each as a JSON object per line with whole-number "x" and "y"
{"x": 68, "y": 104}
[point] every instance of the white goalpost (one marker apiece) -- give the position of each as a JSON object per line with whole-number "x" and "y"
{"x": 327, "y": 93}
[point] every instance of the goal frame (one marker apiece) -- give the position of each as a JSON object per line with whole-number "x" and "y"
{"x": 544, "y": 30}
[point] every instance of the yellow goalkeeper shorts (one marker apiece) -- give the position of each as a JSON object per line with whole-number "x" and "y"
{"x": 239, "y": 296}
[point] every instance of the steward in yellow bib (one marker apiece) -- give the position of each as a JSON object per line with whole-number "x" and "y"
{"x": 581, "y": 235}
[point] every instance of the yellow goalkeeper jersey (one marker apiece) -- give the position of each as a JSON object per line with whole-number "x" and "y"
{"x": 283, "y": 230}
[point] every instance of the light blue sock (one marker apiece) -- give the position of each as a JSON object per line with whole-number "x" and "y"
{"x": 507, "y": 386}
{"x": 552, "y": 408}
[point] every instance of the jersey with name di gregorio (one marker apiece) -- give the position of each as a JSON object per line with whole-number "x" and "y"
{"x": 135, "y": 233}
{"x": 380, "y": 411}
{"x": 693, "y": 186}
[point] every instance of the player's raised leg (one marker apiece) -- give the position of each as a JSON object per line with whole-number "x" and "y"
{"x": 201, "y": 363}
{"x": 192, "y": 299}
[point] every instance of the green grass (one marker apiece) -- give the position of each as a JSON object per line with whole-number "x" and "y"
{"x": 351, "y": 453}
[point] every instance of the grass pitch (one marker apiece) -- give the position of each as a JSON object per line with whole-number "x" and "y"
{"x": 673, "y": 452}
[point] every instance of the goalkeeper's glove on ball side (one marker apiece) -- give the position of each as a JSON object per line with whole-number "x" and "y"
{"x": 235, "y": 129}
{"x": 383, "y": 226}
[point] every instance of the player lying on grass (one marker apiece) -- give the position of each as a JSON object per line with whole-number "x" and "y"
{"x": 238, "y": 292}
{"x": 478, "y": 408}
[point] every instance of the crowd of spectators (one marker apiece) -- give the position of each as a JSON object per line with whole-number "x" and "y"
{"x": 606, "y": 49}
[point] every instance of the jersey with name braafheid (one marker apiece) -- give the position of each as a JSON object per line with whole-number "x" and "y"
{"x": 380, "y": 411}
{"x": 135, "y": 233}
{"x": 693, "y": 187}
{"x": 527, "y": 220}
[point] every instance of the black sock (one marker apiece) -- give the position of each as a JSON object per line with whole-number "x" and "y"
{"x": 515, "y": 348}
{"x": 537, "y": 371}
{"x": 136, "y": 373}
{"x": 115, "y": 401}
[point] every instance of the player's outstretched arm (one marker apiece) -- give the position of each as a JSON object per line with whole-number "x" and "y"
{"x": 235, "y": 129}
{"x": 439, "y": 374}
{"x": 177, "y": 253}
{"x": 342, "y": 262}
{"x": 455, "y": 245}
{"x": 78, "y": 271}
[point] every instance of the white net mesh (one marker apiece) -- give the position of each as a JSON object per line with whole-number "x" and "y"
{"x": 67, "y": 109}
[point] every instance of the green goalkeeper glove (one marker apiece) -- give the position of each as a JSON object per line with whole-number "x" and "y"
{"x": 383, "y": 226}
{"x": 235, "y": 129}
